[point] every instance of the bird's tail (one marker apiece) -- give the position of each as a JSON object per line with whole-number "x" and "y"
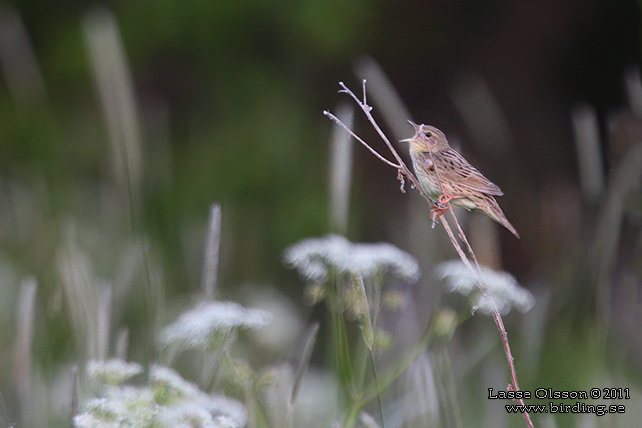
{"x": 492, "y": 209}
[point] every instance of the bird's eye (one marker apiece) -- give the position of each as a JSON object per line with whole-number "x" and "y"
{"x": 428, "y": 134}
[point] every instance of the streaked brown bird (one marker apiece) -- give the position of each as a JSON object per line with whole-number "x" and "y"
{"x": 446, "y": 177}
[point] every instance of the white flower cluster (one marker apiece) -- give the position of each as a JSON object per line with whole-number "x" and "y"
{"x": 170, "y": 401}
{"x": 316, "y": 258}
{"x": 119, "y": 406}
{"x": 171, "y": 383}
{"x": 113, "y": 372}
{"x": 199, "y": 326}
{"x": 503, "y": 288}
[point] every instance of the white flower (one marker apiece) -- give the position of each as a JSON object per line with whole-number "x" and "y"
{"x": 316, "y": 258}
{"x": 186, "y": 415}
{"x": 190, "y": 404}
{"x": 503, "y": 288}
{"x": 228, "y": 412}
{"x": 198, "y": 326}
{"x": 88, "y": 420}
{"x": 114, "y": 371}
{"x": 125, "y": 405}
{"x": 171, "y": 402}
{"x": 172, "y": 383}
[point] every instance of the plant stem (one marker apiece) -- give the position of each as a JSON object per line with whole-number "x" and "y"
{"x": 352, "y": 416}
{"x": 376, "y": 380}
{"x": 408, "y": 358}
{"x": 343, "y": 363}
{"x": 404, "y": 171}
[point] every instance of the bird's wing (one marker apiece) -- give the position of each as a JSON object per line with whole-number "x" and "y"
{"x": 452, "y": 167}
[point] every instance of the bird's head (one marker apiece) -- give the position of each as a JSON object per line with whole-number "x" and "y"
{"x": 427, "y": 137}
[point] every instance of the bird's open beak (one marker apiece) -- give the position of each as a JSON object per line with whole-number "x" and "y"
{"x": 414, "y": 125}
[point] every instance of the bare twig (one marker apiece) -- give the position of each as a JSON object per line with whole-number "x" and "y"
{"x": 497, "y": 317}
{"x": 400, "y": 165}
{"x": 384, "y": 96}
{"x": 460, "y": 252}
{"x": 367, "y": 109}
{"x": 404, "y": 171}
{"x": 356, "y": 137}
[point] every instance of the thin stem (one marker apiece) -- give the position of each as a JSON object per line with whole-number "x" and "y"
{"x": 343, "y": 360}
{"x": 462, "y": 236}
{"x": 300, "y": 372}
{"x": 499, "y": 322}
{"x": 250, "y": 402}
{"x": 352, "y": 416}
{"x": 407, "y": 359}
{"x": 367, "y": 330}
{"x": 356, "y": 137}
{"x": 305, "y": 361}
{"x": 376, "y": 380}
{"x": 367, "y": 109}
{"x": 361, "y": 365}
{"x": 460, "y": 252}
{"x": 403, "y": 170}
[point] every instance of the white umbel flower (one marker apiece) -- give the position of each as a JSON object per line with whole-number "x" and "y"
{"x": 503, "y": 288}
{"x": 170, "y": 402}
{"x": 197, "y": 327}
{"x": 122, "y": 405}
{"x": 316, "y": 258}
{"x": 114, "y": 371}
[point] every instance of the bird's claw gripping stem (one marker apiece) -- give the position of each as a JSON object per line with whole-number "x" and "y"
{"x": 441, "y": 207}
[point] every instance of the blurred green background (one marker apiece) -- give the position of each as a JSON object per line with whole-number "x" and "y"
{"x": 228, "y": 101}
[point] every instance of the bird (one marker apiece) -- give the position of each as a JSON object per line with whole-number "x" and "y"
{"x": 446, "y": 177}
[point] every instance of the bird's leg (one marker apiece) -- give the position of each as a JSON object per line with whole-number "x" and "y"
{"x": 441, "y": 207}
{"x": 445, "y": 199}
{"x": 437, "y": 211}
